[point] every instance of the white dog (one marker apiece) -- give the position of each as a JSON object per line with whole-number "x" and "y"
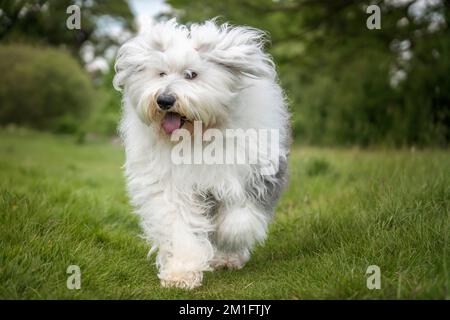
{"x": 199, "y": 217}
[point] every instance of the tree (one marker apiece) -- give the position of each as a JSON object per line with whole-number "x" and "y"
{"x": 44, "y": 22}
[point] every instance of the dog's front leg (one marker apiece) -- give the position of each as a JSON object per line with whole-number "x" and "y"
{"x": 180, "y": 234}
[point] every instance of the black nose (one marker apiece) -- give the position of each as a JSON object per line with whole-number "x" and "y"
{"x": 165, "y": 101}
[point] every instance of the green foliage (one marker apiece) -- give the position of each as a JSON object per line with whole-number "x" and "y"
{"x": 338, "y": 75}
{"x": 43, "y": 88}
{"x": 44, "y": 22}
{"x": 388, "y": 208}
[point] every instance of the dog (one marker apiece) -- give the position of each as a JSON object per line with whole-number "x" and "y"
{"x": 199, "y": 217}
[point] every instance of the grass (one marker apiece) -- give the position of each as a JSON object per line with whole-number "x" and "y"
{"x": 62, "y": 203}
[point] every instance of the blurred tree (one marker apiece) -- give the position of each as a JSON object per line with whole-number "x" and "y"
{"x": 44, "y": 22}
{"x": 348, "y": 84}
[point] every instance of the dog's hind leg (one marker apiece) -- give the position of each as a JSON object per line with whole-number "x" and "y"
{"x": 230, "y": 260}
{"x": 238, "y": 229}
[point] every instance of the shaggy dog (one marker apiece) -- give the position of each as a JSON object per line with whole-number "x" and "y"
{"x": 200, "y": 217}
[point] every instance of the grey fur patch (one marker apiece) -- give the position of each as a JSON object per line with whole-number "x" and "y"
{"x": 208, "y": 202}
{"x": 273, "y": 186}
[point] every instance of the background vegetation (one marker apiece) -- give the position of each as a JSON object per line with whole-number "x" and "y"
{"x": 43, "y": 88}
{"x": 369, "y": 183}
{"x": 42, "y": 24}
{"x": 346, "y": 84}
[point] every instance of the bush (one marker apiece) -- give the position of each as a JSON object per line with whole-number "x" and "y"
{"x": 43, "y": 88}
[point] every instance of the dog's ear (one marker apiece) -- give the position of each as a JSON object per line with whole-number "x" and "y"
{"x": 239, "y": 49}
{"x": 126, "y": 64}
{"x": 133, "y": 57}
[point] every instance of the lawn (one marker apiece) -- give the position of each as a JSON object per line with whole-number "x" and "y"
{"x": 63, "y": 203}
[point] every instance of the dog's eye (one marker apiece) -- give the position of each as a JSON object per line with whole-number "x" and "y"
{"x": 190, "y": 75}
{"x": 162, "y": 74}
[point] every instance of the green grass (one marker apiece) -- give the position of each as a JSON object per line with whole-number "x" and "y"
{"x": 345, "y": 209}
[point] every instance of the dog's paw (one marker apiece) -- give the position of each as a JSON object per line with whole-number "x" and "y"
{"x": 182, "y": 280}
{"x": 231, "y": 261}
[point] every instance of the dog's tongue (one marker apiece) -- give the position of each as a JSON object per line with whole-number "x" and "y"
{"x": 171, "y": 122}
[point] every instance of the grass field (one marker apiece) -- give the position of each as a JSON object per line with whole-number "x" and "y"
{"x": 62, "y": 203}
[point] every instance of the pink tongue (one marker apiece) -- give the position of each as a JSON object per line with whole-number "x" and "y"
{"x": 171, "y": 122}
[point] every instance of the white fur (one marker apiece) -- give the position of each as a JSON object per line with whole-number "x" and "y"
{"x": 236, "y": 87}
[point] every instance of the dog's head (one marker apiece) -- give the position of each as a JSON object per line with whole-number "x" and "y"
{"x": 175, "y": 75}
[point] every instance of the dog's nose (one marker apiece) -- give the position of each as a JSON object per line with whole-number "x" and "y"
{"x": 165, "y": 101}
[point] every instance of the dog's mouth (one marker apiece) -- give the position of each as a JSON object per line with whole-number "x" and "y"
{"x": 172, "y": 121}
